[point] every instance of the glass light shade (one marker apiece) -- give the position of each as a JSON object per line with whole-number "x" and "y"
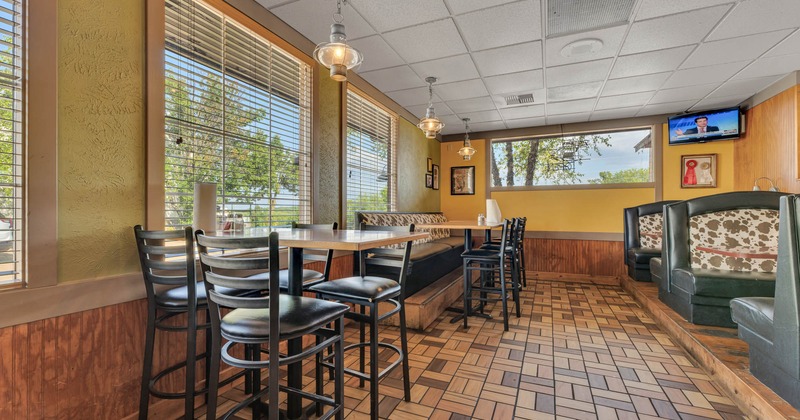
{"x": 337, "y": 55}
{"x": 467, "y": 151}
{"x": 430, "y": 124}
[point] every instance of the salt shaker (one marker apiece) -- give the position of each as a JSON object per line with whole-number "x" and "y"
{"x": 481, "y": 219}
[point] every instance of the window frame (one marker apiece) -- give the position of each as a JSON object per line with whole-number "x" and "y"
{"x": 655, "y": 155}
{"x": 347, "y": 87}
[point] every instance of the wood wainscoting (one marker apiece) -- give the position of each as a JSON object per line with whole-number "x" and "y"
{"x": 88, "y": 364}
{"x": 575, "y": 260}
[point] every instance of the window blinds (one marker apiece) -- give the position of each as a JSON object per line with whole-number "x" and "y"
{"x": 11, "y": 142}
{"x": 238, "y": 113}
{"x": 371, "y": 158}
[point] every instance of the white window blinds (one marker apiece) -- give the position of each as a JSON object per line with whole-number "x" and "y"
{"x": 238, "y": 113}
{"x": 371, "y": 158}
{"x": 11, "y": 143}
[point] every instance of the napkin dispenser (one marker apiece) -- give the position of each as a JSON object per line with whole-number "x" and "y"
{"x": 493, "y": 214}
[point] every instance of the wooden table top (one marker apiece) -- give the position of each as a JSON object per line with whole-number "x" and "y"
{"x": 341, "y": 240}
{"x": 459, "y": 224}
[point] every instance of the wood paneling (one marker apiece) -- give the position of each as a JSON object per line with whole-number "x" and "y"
{"x": 769, "y": 146}
{"x": 593, "y": 258}
{"x": 88, "y": 364}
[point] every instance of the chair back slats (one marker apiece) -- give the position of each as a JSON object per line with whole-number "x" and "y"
{"x": 388, "y": 257}
{"x": 238, "y": 302}
{"x": 171, "y": 265}
{"x": 259, "y": 282}
{"x": 235, "y": 262}
{"x": 383, "y": 262}
{"x": 310, "y": 256}
{"x": 230, "y": 242}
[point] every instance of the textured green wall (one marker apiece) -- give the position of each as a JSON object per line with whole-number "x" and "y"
{"x": 329, "y": 156}
{"x": 413, "y": 151}
{"x": 101, "y": 169}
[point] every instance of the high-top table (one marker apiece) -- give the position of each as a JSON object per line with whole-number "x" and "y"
{"x": 342, "y": 240}
{"x": 468, "y": 226}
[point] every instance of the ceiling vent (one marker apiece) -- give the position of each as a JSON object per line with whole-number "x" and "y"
{"x": 571, "y": 16}
{"x": 519, "y": 99}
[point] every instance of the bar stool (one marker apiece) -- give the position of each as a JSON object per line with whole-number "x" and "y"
{"x": 518, "y": 230}
{"x": 492, "y": 261}
{"x": 270, "y": 319}
{"x": 368, "y": 292}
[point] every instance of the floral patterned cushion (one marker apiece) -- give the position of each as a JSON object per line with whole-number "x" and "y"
{"x": 735, "y": 240}
{"x": 650, "y": 230}
{"x": 405, "y": 219}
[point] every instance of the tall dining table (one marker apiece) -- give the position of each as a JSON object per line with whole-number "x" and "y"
{"x": 341, "y": 240}
{"x": 468, "y": 226}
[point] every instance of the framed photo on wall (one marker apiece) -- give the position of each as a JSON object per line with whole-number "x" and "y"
{"x": 462, "y": 180}
{"x": 428, "y": 180}
{"x": 699, "y": 171}
{"x": 430, "y": 165}
{"x": 435, "y": 177}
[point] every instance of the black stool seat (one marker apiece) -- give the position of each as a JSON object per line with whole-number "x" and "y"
{"x": 177, "y": 297}
{"x": 298, "y": 316}
{"x": 496, "y": 247}
{"x": 310, "y": 278}
{"x": 368, "y": 288}
{"x": 481, "y": 253}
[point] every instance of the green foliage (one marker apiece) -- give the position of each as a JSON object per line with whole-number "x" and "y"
{"x": 624, "y": 176}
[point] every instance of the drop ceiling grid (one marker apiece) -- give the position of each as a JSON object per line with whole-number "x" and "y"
{"x": 642, "y": 67}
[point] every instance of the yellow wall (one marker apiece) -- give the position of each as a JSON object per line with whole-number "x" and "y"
{"x": 412, "y": 165}
{"x": 463, "y": 207}
{"x": 671, "y": 168}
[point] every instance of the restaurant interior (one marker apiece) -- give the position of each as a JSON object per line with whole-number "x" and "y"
{"x": 416, "y": 209}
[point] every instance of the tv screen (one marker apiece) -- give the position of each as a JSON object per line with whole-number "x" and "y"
{"x": 700, "y": 127}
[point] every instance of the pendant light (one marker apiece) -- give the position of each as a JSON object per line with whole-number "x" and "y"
{"x": 467, "y": 151}
{"x": 430, "y": 124}
{"x": 336, "y": 54}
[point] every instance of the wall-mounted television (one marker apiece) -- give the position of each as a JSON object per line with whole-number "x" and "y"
{"x": 700, "y": 127}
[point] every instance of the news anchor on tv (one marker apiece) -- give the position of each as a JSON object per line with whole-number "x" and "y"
{"x": 702, "y": 126}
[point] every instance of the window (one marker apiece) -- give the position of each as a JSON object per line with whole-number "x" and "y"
{"x": 614, "y": 157}
{"x": 11, "y": 142}
{"x": 371, "y": 158}
{"x": 238, "y": 113}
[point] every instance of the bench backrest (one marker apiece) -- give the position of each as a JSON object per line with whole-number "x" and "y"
{"x": 754, "y": 232}
{"x": 393, "y": 218}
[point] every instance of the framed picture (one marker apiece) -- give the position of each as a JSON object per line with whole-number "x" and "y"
{"x": 699, "y": 171}
{"x": 435, "y": 177}
{"x": 462, "y": 180}
{"x": 428, "y": 180}
{"x": 430, "y": 165}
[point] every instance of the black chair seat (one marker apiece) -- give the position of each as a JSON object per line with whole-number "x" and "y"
{"x": 496, "y": 247}
{"x": 177, "y": 297}
{"x": 299, "y": 315}
{"x": 369, "y": 288}
{"x": 755, "y": 313}
{"x": 642, "y": 255}
{"x": 481, "y": 254}
{"x": 310, "y": 277}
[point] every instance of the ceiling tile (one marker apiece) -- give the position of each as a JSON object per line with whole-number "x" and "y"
{"x": 395, "y": 78}
{"x": 672, "y": 31}
{"x": 651, "y": 62}
{"x": 655, "y": 8}
{"x": 635, "y": 84}
{"x": 514, "y": 82}
{"x": 461, "y": 90}
{"x": 439, "y": 39}
{"x": 500, "y": 26}
{"x": 453, "y": 122}
{"x": 733, "y": 49}
{"x": 410, "y": 97}
{"x": 471, "y": 105}
{"x": 790, "y": 45}
{"x": 744, "y": 86}
{"x": 440, "y": 108}
{"x": 526, "y": 122}
{"x": 667, "y": 108}
{"x": 450, "y": 69}
{"x": 464, "y": 6}
{"x": 571, "y": 74}
{"x": 683, "y": 93}
{"x": 703, "y": 75}
{"x": 313, "y": 20}
{"x": 719, "y": 102}
{"x": 615, "y": 113}
{"x": 511, "y": 59}
{"x": 754, "y": 16}
{"x": 578, "y": 91}
{"x": 516, "y": 112}
{"x": 486, "y": 126}
{"x": 769, "y": 66}
{"x": 377, "y": 54}
{"x": 622, "y": 101}
{"x": 570, "y": 107}
{"x": 611, "y": 38}
{"x": 387, "y": 15}
{"x": 568, "y": 118}
{"x": 481, "y": 116}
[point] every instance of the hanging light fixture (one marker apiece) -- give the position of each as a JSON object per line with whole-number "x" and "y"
{"x": 467, "y": 151}
{"x": 336, "y": 54}
{"x": 430, "y": 124}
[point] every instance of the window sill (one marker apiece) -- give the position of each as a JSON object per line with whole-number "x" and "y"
{"x": 574, "y": 187}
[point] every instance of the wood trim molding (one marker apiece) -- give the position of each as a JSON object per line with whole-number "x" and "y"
{"x": 585, "y": 236}
{"x": 41, "y": 166}
{"x": 154, "y": 114}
